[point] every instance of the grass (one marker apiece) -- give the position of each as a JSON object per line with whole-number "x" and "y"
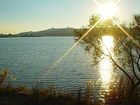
{"x": 50, "y": 96}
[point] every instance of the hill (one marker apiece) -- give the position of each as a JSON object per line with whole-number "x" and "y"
{"x": 49, "y": 32}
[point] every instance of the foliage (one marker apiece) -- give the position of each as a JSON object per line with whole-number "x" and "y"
{"x": 126, "y": 48}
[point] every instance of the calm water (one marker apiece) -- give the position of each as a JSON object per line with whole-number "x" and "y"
{"x": 28, "y": 60}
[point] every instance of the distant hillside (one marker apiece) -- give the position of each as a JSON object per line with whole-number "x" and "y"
{"x": 49, "y": 32}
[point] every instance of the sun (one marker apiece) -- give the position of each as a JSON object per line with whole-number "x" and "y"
{"x": 108, "y": 10}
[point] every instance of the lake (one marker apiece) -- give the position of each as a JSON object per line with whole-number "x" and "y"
{"x": 28, "y": 60}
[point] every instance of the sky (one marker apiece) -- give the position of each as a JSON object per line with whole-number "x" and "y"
{"x": 34, "y": 15}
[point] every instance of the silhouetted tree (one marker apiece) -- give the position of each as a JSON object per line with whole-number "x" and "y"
{"x": 126, "y": 50}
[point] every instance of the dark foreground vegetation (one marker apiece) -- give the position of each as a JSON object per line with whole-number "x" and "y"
{"x": 36, "y": 96}
{"x": 118, "y": 95}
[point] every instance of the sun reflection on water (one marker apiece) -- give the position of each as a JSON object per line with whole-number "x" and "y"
{"x": 107, "y": 44}
{"x": 106, "y": 67}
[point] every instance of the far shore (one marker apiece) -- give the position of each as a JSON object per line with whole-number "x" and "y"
{"x": 36, "y": 36}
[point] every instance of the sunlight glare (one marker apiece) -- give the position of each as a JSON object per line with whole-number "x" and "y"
{"x": 105, "y": 64}
{"x": 106, "y": 71}
{"x": 108, "y": 10}
{"x": 108, "y": 43}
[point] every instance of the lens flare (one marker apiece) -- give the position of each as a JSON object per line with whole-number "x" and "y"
{"x": 108, "y": 10}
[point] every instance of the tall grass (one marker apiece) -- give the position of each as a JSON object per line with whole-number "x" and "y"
{"x": 3, "y": 76}
{"x": 117, "y": 95}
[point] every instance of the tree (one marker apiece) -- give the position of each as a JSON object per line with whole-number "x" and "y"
{"x": 127, "y": 51}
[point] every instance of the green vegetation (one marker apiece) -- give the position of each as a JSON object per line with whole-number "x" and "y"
{"x": 126, "y": 50}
